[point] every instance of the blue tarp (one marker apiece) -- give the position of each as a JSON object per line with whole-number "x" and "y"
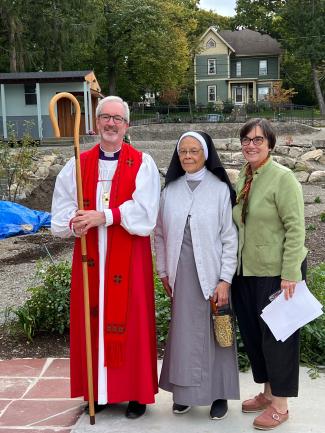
{"x": 16, "y": 219}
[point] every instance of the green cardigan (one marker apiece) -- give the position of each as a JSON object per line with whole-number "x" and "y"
{"x": 271, "y": 242}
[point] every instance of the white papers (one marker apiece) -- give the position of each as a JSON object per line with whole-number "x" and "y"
{"x": 284, "y": 317}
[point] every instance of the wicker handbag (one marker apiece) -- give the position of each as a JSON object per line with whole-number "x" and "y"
{"x": 223, "y": 324}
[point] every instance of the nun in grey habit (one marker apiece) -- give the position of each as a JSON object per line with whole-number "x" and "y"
{"x": 196, "y": 257}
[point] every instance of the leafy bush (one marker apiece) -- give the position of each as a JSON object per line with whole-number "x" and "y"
{"x": 163, "y": 311}
{"x": 322, "y": 217}
{"x": 16, "y": 160}
{"x": 48, "y": 307}
{"x": 227, "y": 107}
{"x": 313, "y": 334}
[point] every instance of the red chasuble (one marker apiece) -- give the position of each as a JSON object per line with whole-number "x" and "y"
{"x": 129, "y": 321}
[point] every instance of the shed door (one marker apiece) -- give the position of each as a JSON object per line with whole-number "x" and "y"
{"x": 66, "y": 116}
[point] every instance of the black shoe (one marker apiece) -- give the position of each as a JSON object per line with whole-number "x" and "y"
{"x": 135, "y": 410}
{"x": 219, "y": 409}
{"x": 97, "y": 407}
{"x": 179, "y": 408}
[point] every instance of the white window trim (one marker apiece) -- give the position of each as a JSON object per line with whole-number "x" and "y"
{"x": 215, "y": 66}
{"x": 215, "y": 93}
{"x": 210, "y": 44}
{"x": 260, "y": 69}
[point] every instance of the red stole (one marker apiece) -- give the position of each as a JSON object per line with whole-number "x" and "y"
{"x": 119, "y": 249}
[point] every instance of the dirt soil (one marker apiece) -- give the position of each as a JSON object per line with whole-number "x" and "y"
{"x": 19, "y": 254}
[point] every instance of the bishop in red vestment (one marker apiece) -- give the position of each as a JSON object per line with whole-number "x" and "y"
{"x": 121, "y": 190}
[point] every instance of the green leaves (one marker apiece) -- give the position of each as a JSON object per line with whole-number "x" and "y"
{"x": 48, "y": 308}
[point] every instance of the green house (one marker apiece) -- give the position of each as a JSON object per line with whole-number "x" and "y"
{"x": 238, "y": 66}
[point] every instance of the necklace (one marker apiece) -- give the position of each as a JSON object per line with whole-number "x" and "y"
{"x": 106, "y": 173}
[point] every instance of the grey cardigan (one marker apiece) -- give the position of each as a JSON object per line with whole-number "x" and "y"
{"x": 214, "y": 235}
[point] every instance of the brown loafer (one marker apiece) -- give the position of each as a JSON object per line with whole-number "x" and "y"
{"x": 270, "y": 419}
{"x": 256, "y": 404}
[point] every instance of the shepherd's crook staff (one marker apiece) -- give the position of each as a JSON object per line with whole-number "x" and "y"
{"x": 83, "y": 237}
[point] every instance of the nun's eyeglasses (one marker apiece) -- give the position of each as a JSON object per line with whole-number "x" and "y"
{"x": 191, "y": 152}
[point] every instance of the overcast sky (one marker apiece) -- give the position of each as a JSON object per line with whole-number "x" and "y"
{"x": 222, "y": 7}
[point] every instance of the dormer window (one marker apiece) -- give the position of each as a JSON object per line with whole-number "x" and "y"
{"x": 212, "y": 66}
{"x": 211, "y": 43}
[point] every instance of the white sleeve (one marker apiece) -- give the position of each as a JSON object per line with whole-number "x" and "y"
{"x": 160, "y": 249}
{"x": 64, "y": 202}
{"x": 229, "y": 239}
{"x": 139, "y": 215}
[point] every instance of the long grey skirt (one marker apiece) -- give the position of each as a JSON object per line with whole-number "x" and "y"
{"x": 195, "y": 369}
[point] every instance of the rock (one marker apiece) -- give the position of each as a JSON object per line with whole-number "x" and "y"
{"x": 234, "y": 145}
{"x": 303, "y": 166}
{"x": 317, "y": 176}
{"x": 238, "y": 158}
{"x": 319, "y": 144}
{"x": 282, "y": 150}
{"x": 221, "y": 144}
{"x": 233, "y": 175}
{"x": 295, "y": 152}
{"x": 314, "y": 155}
{"x": 42, "y": 172}
{"x": 55, "y": 170}
{"x": 302, "y": 176}
{"x": 286, "y": 161}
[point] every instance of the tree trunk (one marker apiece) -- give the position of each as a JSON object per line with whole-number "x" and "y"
{"x": 318, "y": 90}
{"x": 112, "y": 82}
{"x": 12, "y": 45}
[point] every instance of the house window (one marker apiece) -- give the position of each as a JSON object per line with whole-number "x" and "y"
{"x": 262, "y": 67}
{"x": 263, "y": 93}
{"x": 238, "y": 69}
{"x": 212, "y": 93}
{"x": 211, "y": 43}
{"x": 239, "y": 95}
{"x": 30, "y": 94}
{"x": 212, "y": 66}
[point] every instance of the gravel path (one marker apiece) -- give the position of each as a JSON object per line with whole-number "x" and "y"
{"x": 18, "y": 259}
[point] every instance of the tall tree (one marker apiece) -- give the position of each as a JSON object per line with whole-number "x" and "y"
{"x": 259, "y": 15}
{"x": 145, "y": 45}
{"x": 302, "y": 28}
{"x": 12, "y": 14}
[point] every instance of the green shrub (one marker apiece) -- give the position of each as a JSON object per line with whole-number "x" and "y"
{"x": 317, "y": 199}
{"x": 48, "y": 307}
{"x": 322, "y": 217}
{"x": 313, "y": 334}
{"x": 163, "y": 312}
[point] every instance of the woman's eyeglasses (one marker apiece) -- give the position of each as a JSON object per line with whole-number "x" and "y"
{"x": 191, "y": 152}
{"x": 257, "y": 141}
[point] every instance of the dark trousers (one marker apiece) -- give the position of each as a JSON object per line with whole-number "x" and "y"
{"x": 272, "y": 361}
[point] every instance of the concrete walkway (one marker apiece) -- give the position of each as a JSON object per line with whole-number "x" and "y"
{"x": 34, "y": 398}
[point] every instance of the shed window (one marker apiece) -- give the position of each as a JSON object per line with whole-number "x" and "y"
{"x": 30, "y": 94}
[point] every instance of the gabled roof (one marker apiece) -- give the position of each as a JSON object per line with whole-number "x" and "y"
{"x": 215, "y": 31}
{"x": 248, "y": 42}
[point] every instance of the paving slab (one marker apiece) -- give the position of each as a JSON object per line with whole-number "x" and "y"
{"x": 307, "y": 414}
{"x": 35, "y": 397}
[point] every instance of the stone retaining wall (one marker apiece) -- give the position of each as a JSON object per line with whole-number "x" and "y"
{"x": 303, "y": 154}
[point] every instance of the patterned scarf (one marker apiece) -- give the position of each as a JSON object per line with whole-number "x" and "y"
{"x": 244, "y": 193}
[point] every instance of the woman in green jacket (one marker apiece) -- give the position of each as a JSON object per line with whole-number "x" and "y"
{"x": 269, "y": 215}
